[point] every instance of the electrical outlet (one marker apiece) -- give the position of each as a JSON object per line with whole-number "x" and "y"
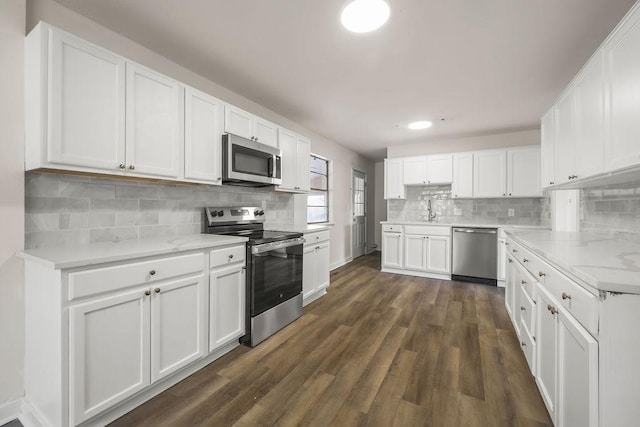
{"x": 511, "y": 212}
{"x": 457, "y": 211}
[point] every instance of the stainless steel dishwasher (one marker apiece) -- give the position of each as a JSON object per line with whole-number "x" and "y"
{"x": 475, "y": 255}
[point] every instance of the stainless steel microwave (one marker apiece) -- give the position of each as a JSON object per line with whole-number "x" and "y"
{"x": 249, "y": 163}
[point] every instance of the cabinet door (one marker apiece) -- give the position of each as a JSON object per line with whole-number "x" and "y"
{"x": 238, "y": 121}
{"x": 547, "y": 149}
{"x": 322, "y": 272}
{"x": 622, "y": 71}
{"x": 516, "y": 276}
{"x": 509, "y": 284}
{"x": 265, "y": 132}
{"x": 462, "y": 186}
{"x": 415, "y": 252}
{"x": 308, "y": 271}
{"x": 392, "y": 250}
{"x": 502, "y": 254}
{"x": 589, "y": 148}
{"x": 178, "y": 325}
{"x": 108, "y": 351}
{"x": 565, "y": 118}
{"x": 414, "y": 171}
{"x": 393, "y": 179}
{"x": 287, "y": 145}
{"x": 86, "y": 104}
{"x": 202, "y": 137}
{"x": 523, "y": 172}
{"x": 154, "y": 123}
{"x": 490, "y": 173}
{"x": 227, "y": 290}
{"x": 577, "y": 375}
{"x": 440, "y": 169}
{"x": 439, "y": 254}
{"x": 303, "y": 157}
{"x": 547, "y": 350}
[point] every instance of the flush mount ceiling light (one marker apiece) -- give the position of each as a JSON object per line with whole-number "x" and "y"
{"x": 362, "y": 16}
{"x": 423, "y": 124}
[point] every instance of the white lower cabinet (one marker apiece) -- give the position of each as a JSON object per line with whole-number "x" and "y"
{"x": 227, "y": 290}
{"x": 439, "y": 254}
{"x": 116, "y": 334}
{"x": 392, "y": 249}
{"x": 417, "y": 250}
{"x": 315, "y": 266}
{"x": 547, "y": 361}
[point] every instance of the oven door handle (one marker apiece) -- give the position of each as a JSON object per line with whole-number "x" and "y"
{"x": 258, "y": 249}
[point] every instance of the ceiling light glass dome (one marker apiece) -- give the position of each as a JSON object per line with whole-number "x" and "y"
{"x": 362, "y": 16}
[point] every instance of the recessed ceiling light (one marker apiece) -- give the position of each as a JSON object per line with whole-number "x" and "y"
{"x": 362, "y": 16}
{"x": 423, "y": 124}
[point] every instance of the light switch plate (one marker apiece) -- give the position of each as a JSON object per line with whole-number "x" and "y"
{"x": 511, "y": 212}
{"x": 457, "y": 211}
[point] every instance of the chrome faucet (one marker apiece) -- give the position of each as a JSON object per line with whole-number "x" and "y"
{"x": 431, "y": 216}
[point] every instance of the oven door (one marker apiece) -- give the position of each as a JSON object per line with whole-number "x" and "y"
{"x": 250, "y": 161}
{"x": 275, "y": 274}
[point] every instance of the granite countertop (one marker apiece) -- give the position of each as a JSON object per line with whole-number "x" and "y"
{"x": 298, "y": 228}
{"x": 602, "y": 261}
{"x": 447, "y": 224}
{"x": 98, "y": 253}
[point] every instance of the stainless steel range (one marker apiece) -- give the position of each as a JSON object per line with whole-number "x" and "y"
{"x": 274, "y": 269}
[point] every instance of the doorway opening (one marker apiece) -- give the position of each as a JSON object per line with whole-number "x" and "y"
{"x": 358, "y": 213}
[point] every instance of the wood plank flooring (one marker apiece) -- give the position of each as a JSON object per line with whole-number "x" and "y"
{"x": 378, "y": 350}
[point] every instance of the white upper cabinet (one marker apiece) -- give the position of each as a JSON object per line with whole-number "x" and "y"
{"x": 296, "y": 154}
{"x": 489, "y": 173}
{"x": 154, "y": 123}
{"x": 462, "y": 186}
{"x": 565, "y": 128}
{"x": 623, "y": 82}
{"x": 590, "y": 135}
{"x": 414, "y": 171}
{"x": 547, "y": 150}
{"x": 440, "y": 169}
{"x": 202, "y": 137}
{"x": 523, "y": 172}
{"x": 85, "y": 114}
{"x": 242, "y": 123}
{"x": 393, "y": 179}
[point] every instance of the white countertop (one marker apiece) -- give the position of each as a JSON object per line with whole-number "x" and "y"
{"x": 298, "y": 228}
{"x": 601, "y": 261}
{"x": 446, "y": 224}
{"x": 98, "y": 253}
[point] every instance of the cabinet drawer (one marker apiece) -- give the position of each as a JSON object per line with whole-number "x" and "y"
{"x": 527, "y": 283}
{"x": 528, "y": 260}
{"x": 582, "y": 304}
{"x": 395, "y": 228}
{"x": 98, "y": 280}
{"x": 528, "y": 346}
{"x": 527, "y": 311}
{"x": 227, "y": 256}
{"x": 427, "y": 230}
{"x": 317, "y": 237}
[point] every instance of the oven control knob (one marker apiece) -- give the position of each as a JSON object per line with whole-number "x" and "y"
{"x": 220, "y": 213}
{"x": 214, "y": 213}
{"x": 261, "y": 213}
{"x": 256, "y": 212}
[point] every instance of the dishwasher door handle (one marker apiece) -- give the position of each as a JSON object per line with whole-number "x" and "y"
{"x": 466, "y": 230}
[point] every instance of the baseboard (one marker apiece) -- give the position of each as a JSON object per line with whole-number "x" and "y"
{"x": 438, "y": 276}
{"x": 30, "y": 417}
{"x": 10, "y": 410}
{"x": 340, "y": 263}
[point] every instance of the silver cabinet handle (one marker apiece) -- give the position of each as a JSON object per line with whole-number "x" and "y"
{"x": 566, "y": 295}
{"x": 122, "y": 166}
{"x": 156, "y": 290}
{"x": 131, "y": 167}
{"x": 152, "y": 273}
{"x": 147, "y": 292}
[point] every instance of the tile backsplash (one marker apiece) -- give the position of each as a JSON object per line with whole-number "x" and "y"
{"x": 70, "y": 210}
{"x": 527, "y": 211}
{"x": 613, "y": 209}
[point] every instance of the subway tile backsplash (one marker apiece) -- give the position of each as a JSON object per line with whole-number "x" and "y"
{"x": 527, "y": 211}
{"x": 612, "y": 209}
{"x": 68, "y": 210}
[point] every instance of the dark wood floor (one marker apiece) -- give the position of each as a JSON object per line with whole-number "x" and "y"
{"x": 378, "y": 350}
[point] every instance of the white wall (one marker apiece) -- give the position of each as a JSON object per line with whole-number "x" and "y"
{"x": 12, "y": 26}
{"x": 343, "y": 158}
{"x": 380, "y": 203}
{"x": 509, "y": 139}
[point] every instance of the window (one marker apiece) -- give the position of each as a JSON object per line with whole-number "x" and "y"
{"x": 318, "y": 198}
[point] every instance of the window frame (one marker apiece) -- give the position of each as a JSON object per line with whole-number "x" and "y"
{"x": 328, "y": 191}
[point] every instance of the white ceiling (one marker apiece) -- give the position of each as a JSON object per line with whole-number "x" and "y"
{"x": 484, "y": 66}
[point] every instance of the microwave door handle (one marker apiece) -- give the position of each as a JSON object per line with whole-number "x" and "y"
{"x": 270, "y": 166}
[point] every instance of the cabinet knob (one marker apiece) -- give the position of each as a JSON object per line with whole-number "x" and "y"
{"x": 131, "y": 167}
{"x": 147, "y": 292}
{"x": 522, "y": 343}
{"x": 152, "y": 273}
{"x": 525, "y": 260}
{"x": 219, "y": 178}
{"x": 509, "y": 193}
{"x": 514, "y": 250}
{"x": 455, "y": 195}
{"x": 522, "y": 308}
{"x": 230, "y": 256}
{"x": 541, "y": 274}
{"x": 256, "y": 139}
{"x": 551, "y": 182}
{"x": 510, "y": 260}
{"x": 566, "y": 295}
{"x": 122, "y": 166}
{"x": 503, "y": 194}
{"x": 523, "y": 282}
{"x": 156, "y": 290}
